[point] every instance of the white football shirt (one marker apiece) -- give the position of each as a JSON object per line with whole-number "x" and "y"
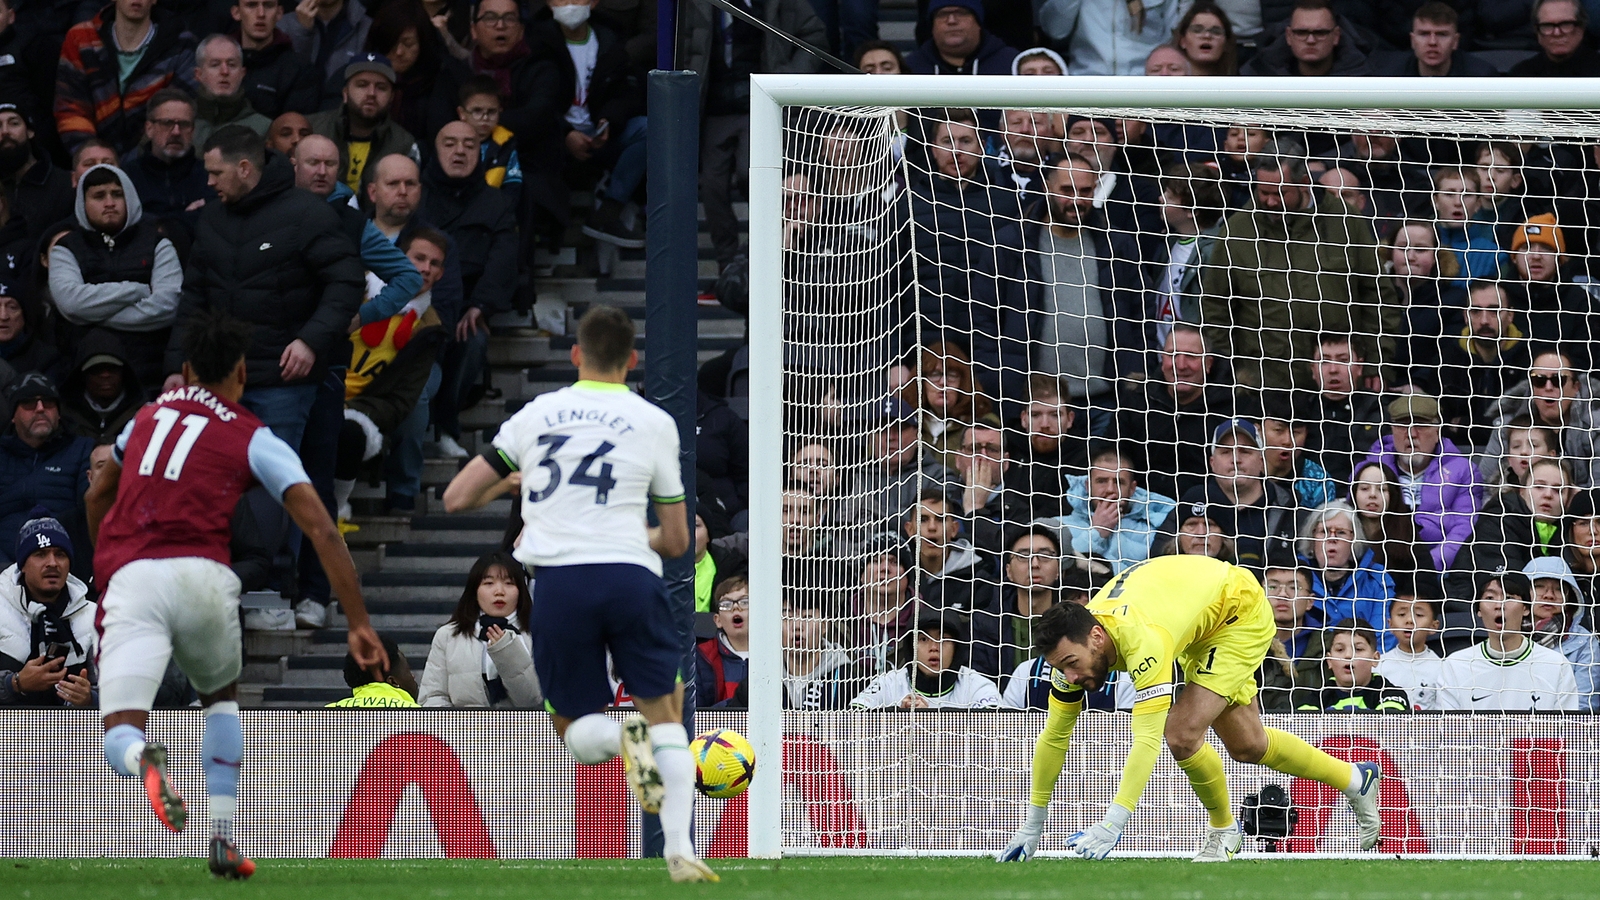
{"x": 593, "y": 456}
{"x": 1534, "y": 677}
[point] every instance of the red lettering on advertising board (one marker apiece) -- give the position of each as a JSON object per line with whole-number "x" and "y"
{"x": 1402, "y": 830}
{"x": 600, "y": 811}
{"x": 1538, "y": 796}
{"x": 430, "y": 764}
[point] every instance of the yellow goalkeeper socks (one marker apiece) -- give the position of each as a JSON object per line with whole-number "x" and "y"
{"x": 1210, "y": 784}
{"x": 1290, "y": 755}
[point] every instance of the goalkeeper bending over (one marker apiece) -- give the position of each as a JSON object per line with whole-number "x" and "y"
{"x": 1214, "y": 619}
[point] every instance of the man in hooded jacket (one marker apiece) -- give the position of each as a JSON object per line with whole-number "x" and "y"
{"x": 118, "y": 272}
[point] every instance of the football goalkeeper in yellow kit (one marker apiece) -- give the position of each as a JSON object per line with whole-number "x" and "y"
{"x": 1213, "y": 619}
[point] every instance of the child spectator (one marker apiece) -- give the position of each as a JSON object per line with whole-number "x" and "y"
{"x": 932, "y": 675}
{"x": 817, "y": 673}
{"x": 1283, "y": 432}
{"x": 1412, "y": 665}
{"x": 1558, "y": 605}
{"x": 1349, "y": 683}
{"x": 954, "y": 575}
{"x": 483, "y": 657}
{"x": 1506, "y": 671}
{"x": 1525, "y": 444}
{"x": 1345, "y": 575}
{"x": 497, "y": 145}
{"x": 1518, "y": 526}
{"x": 722, "y": 663}
{"x": 1295, "y": 656}
{"x": 1456, "y": 201}
{"x": 884, "y": 605}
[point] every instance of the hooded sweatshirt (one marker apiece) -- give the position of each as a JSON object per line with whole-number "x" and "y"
{"x": 1566, "y": 634}
{"x": 25, "y": 626}
{"x": 1130, "y": 543}
{"x": 129, "y": 281}
{"x": 80, "y": 414}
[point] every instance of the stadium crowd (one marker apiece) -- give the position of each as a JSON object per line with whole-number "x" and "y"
{"x": 1355, "y": 364}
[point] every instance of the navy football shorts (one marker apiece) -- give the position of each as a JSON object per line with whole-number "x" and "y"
{"x": 579, "y": 612}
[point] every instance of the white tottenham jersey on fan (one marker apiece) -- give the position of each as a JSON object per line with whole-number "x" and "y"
{"x": 1532, "y": 677}
{"x": 592, "y": 457}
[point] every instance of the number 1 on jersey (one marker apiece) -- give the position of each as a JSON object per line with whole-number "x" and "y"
{"x": 166, "y": 418}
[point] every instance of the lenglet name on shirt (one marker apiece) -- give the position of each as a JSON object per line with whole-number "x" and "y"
{"x": 599, "y": 416}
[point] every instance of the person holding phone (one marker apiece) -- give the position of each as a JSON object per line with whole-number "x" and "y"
{"x": 47, "y": 635}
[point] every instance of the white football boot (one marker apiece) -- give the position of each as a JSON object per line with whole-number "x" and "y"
{"x": 688, "y": 868}
{"x": 1220, "y": 844}
{"x": 639, "y": 761}
{"x": 1364, "y": 800}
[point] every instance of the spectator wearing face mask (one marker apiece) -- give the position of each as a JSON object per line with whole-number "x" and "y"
{"x": 483, "y": 657}
{"x": 47, "y": 622}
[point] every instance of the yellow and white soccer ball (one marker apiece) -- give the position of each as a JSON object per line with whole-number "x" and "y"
{"x": 724, "y": 763}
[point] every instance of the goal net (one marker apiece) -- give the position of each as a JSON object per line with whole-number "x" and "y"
{"x": 1008, "y": 342}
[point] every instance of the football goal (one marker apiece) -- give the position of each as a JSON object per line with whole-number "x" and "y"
{"x": 1012, "y": 336}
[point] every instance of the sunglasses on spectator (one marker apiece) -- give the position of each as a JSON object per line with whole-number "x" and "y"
{"x": 36, "y": 403}
{"x": 1311, "y": 34}
{"x": 1566, "y": 26}
{"x": 1544, "y": 381}
{"x": 731, "y": 605}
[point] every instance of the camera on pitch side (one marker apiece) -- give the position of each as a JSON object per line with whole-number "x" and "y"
{"x": 1269, "y": 816}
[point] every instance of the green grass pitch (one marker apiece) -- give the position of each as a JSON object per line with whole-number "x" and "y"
{"x": 872, "y": 878}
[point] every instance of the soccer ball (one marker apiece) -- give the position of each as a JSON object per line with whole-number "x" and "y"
{"x": 724, "y": 763}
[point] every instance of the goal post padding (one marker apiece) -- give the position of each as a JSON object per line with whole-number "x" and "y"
{"x": 844, "y": 285}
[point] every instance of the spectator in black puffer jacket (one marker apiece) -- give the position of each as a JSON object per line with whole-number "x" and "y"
{"x": 43, "y": 465}
{"x": 277, "y": 257}
{"x": 276, "y": 79}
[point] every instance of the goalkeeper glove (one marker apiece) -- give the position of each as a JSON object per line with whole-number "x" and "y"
{"x": 1097, "y": 842}
{"x": 1026, "y": 840}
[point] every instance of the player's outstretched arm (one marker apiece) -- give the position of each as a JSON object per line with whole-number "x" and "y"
{"x": 305, "y": 507}
{"x": 1149, "y": 721}
{"x": 475, "y": 485}
{"x": 1049, "y": 753}
{"x": 101, "y": 494}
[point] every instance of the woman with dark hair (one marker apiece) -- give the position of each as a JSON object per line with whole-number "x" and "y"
{"x": 948, "y": 399}
{"x": 483, "y": 657}
{"x": 1380, "y": 503}
{"x": 405, "y": 35}
{"x": 1205, "y": 37}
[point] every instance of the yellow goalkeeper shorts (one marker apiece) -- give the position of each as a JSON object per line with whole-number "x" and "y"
{"x": 1225, "y": 662}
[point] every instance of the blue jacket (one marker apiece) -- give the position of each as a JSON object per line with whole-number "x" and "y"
{"x": 56, "y": 476}
{"x": 1365, "y": 595}
{"x": 383, "y": 258}
{"x": 1130, "y": 543}
{"x": 1476, "y": 249}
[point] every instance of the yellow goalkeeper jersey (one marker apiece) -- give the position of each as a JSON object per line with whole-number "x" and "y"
{"x": 1157, "y": 610}
{"x": 1208, "y": 616}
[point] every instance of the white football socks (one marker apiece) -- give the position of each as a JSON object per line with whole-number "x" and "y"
{"x": 671, "y": 745}
{"x": 124, "y": 746}
{"x": 594, "y": 739}
{"x": 1355, "y": 779}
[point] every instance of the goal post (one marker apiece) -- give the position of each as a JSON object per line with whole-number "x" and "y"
{"x": 1460, "y": 109}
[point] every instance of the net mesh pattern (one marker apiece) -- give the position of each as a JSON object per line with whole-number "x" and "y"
{"x": 1350, "y": 351}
